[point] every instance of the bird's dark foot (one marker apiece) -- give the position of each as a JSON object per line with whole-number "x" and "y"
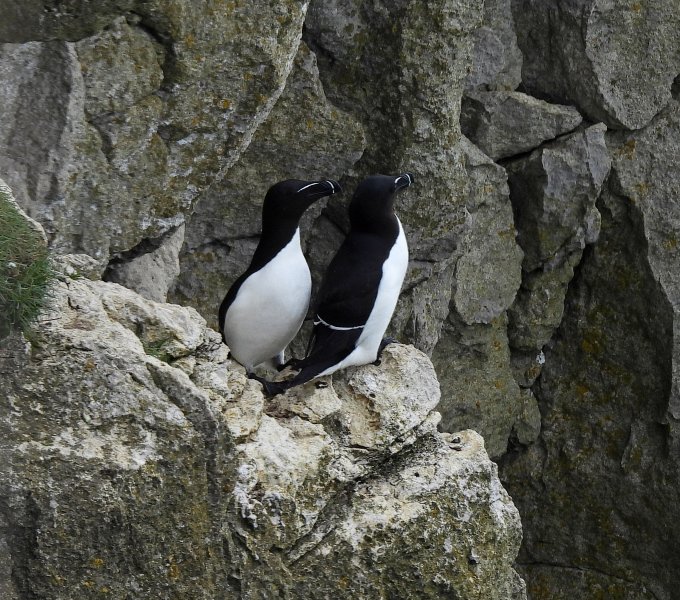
{"x": 270, "y": 388}
{"x": 383, "y": 344}
{"x": 292, "y": 362}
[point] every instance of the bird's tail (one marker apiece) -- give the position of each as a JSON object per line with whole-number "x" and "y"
{"x": 327, "y": 347}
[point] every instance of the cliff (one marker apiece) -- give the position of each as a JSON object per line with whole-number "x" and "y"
{"x": 543, "y": 232}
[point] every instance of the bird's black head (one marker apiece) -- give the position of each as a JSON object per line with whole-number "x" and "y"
{"x": 373, "y": 199}
{"x": 288, "y": 200}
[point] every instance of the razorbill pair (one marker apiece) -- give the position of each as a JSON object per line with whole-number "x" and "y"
{"x": 266, "y": 306}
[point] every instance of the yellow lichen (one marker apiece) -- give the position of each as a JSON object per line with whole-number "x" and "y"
{"x": 627, "y": 150}
{"x": 671, "y": 243}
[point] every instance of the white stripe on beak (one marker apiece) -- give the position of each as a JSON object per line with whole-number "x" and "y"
{"x": 306, "y": 186}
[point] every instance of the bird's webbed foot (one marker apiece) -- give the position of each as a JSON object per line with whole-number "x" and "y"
{"x": 383, "y": 344}
{"x": 270, "y": 388}
{"x": 291, "y": 362}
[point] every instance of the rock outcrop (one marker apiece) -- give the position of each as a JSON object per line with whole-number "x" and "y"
{"x": 223, "y": 232}
{"x": 138, "y": 461}
{"x": 504, "y": 124}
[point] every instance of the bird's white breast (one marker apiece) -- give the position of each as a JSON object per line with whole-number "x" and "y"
{"x": 269, "y": 307}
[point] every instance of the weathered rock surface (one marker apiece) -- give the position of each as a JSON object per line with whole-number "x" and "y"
{"x": 152, "y": 273}
{"x": 400, "y": 69}
{"x": 138, "y": 461}
{"x": 615, "y": 60}
{"x": 504, "y": 124}
{"x": 406, "y": 63}
{"x": 472, "y": 355}
{"x": 148, "y": 103}
{"x": 120, "y": 117}
{"x": 553, "y": 192}
{"x": 496, "y": 58}
{"x": 601, "y": 514}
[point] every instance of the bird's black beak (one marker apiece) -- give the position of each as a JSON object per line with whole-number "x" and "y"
{"x": 320, "y": 189}
{"x": 403, "y": 181}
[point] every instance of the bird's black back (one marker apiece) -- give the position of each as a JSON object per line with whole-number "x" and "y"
{"x": 350, "y": 286}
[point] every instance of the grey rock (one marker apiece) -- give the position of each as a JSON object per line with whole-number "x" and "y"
{"x": 8, "y": 589}
{"x": 581, "y": 583}
{"x": 539, "y": 307}
{"x": 478, "y": 388}
{"x": 504, "y": 124}
{"x": 400, "y": 68}
{"x": 496, "y": 58}
{"x": 152, "y": 274}
{"x": 120, "y": 116}
{"x": 607, "y": 456}
{"x": 357, "y": 546}
{"x": 527, "y": 426}
{"x": 471, "y": 354}
{"x": 488, "y": 274}
{"x": 424, "y": 303}
{"x": 304, "y": 137}
{"x": 553, "y": 191}
{"x": 78, "y": 265}
{"x": 614, "y": 59}
{"x": 35, "y": 20}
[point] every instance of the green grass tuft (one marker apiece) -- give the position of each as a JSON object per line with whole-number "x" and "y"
{"x": 25, "y": 271}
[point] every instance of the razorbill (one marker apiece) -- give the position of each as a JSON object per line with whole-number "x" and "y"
{"x": 361, "y": 285}
{"x": 266, "y": 305}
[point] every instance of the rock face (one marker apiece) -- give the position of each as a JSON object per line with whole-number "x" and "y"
{"x": 138, "y": 461}
{"x": 150, "y": 273}
{"x": 553, "y": 191}
{"x": 472, "y": 354}
{"x": 138, "y": 125}
{"x": 496, "y": 59}
{"x": 615, "y": 60}
{"x": 608, "y": 458}
{"x": 503, "y": 124}
{"x": 223, "y": 232}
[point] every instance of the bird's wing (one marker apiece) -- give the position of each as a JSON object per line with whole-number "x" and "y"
{"x": 351, "y": 282}
{"x": 229, "y": 299}
{"x": 328, "y": 348}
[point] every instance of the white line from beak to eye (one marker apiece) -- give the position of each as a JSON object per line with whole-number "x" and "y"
{"x": 305, "y": 187}
{"x": 329, "y": 182}
{"x": 409, "y": 178}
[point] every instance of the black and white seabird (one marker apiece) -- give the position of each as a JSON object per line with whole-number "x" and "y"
{"x": 361, "y": 285}
{"x": 266, "y": 305}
